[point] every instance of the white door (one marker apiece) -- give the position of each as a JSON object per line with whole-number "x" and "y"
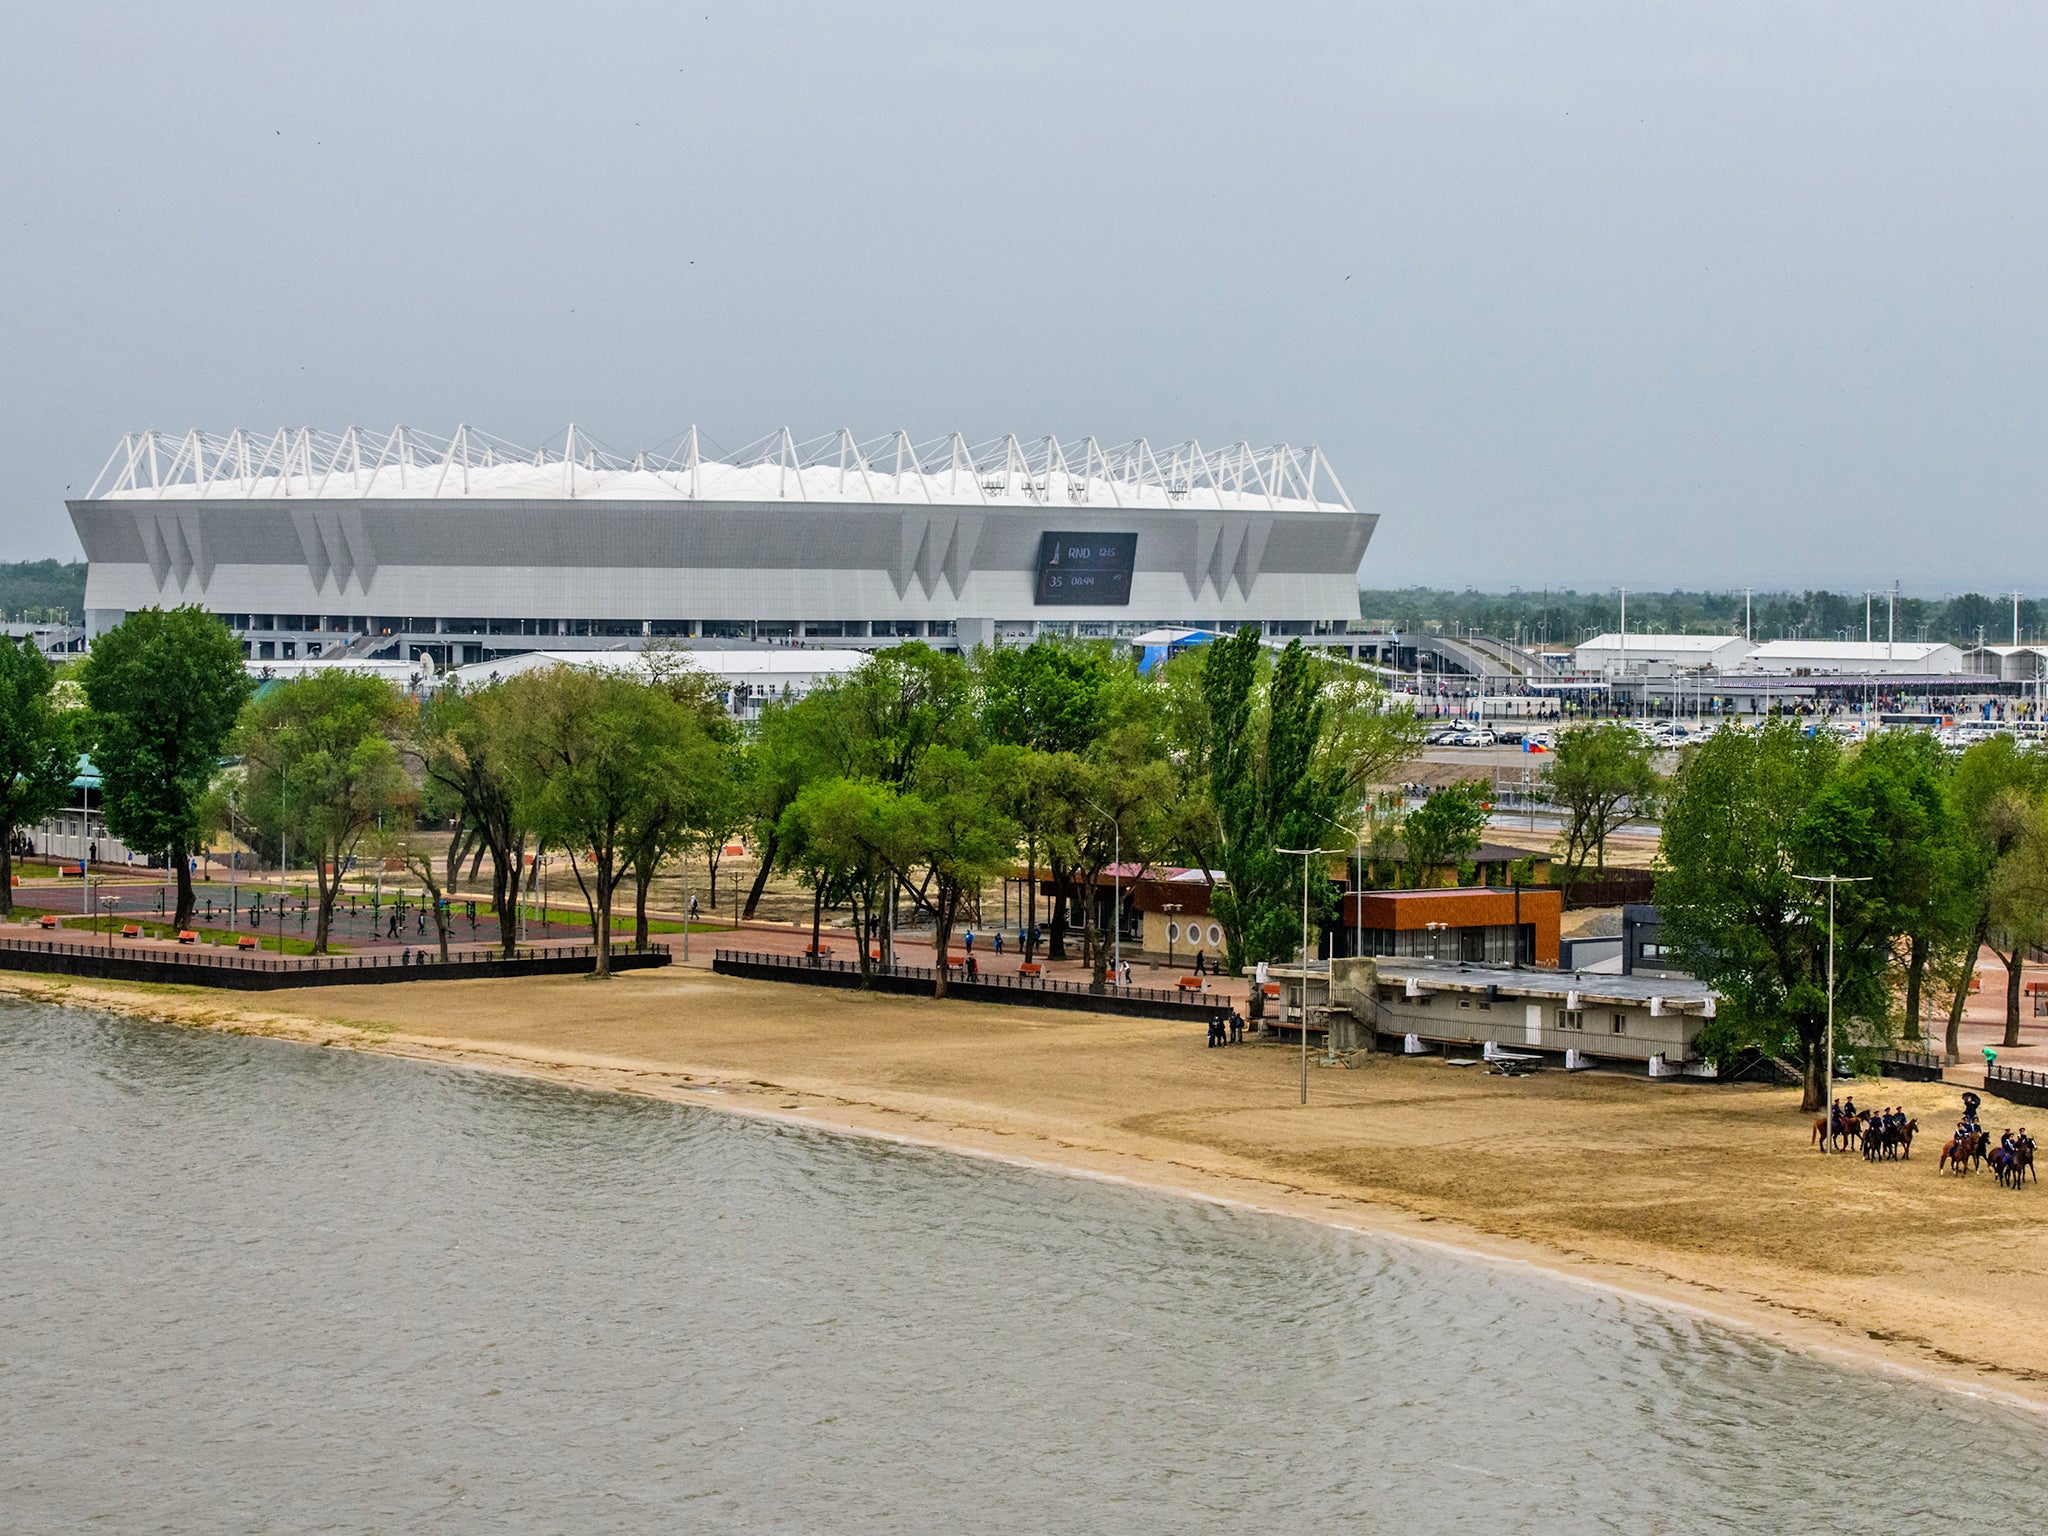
{"x": 1534, "y": 1026}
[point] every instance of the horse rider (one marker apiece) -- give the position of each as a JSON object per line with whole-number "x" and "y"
{"x": 1835, "y": 1117}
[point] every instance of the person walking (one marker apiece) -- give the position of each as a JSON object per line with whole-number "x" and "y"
{"x": 999, "y": 942}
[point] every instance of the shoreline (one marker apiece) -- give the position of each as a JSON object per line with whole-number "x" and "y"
{"x": 842, "y": 1108}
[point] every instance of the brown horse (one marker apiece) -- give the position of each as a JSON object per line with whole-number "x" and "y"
{"x": 1960, "y": 1151}
{"x": 1849, "y": 1131}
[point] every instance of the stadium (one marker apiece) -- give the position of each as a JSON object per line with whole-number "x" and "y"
{"x": 468, "y": 548}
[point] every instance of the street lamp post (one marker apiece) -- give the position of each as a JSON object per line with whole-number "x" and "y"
{"x": 1116, "y": 900}
{"x": 284, "y": 854}
{"x": 1305, "y": 854}
{"x": 1828, "y": 1065}
{"x": 1172, "y": 911}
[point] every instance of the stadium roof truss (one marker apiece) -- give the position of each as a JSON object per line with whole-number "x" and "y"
{"x": 296, "y": 463}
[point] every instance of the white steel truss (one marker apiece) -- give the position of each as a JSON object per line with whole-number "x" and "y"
{"x": 297, "y": 463}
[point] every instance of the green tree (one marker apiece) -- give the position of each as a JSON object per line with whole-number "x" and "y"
{"x": 794, "y": 743}
{"x": 1444, "y": 829}
{"x": 464, "y": 750}
{"x": 952, "y": 823}
{"x": 165, "y": 688}
{"x": 596, "y": 751}
{"x": 1902, "y": 776}
{"x": 2017, "y": 897}
{"x": 321, "y": 765}
{"x": 856, "y": 836}
{"x": 1749, "y": 812}
{"x": 38, "y": 751}
{"x": 1050, "y": 698}
{"x": 1989, "y": 789}
{"x": 1600, "y": 776}
{"x": 1273, "y": 786}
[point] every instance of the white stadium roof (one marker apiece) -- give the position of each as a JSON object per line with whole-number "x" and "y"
{"x": 353, "y": 465}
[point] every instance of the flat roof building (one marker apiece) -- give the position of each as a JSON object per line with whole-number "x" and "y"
{"x": 1666, "y": 653}
{"x": 1425, "y": 1005}
{"x": 1866, "y": 658}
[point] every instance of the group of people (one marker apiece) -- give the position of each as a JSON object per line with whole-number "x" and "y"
{"x": 1226, "y": 1029}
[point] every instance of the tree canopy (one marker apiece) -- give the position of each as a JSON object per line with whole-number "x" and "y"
{"x": 38, "y": 750}
{"x": 165, "y": 688}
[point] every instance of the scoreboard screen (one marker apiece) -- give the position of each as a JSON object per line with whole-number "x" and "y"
{"x": 1086, "y": 569}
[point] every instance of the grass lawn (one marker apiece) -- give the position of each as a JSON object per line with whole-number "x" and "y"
{"x": 224, "y": 937}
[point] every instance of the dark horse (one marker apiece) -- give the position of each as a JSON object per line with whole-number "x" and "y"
{"x": 2013, "y": 1165}
{"x": 1892, "y": 1141}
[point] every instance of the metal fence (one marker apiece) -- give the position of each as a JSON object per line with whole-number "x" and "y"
{"x": 1912, "y": 1066}
{"x": 1007, "y": 987}
{"x": 197, "y": 966}
{"x": 2020, "y": 1084}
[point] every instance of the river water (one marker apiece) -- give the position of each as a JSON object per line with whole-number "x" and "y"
{"x": 249, "y": 1286}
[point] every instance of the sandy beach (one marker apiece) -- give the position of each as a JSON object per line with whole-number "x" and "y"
{"x": 1705, "y": 1197}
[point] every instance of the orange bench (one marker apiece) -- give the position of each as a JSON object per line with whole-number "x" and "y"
{"x": 187, "y": 936}
{"x": 47, "y": 922}
{"x": 820, "y": 950}
{"x": 245, "y": 942}
{"x": 1029, "y": 968}
{"x": 130, "y": 931}
{"x": 1191, "y": 983}
{"x": 1272, "y": 989}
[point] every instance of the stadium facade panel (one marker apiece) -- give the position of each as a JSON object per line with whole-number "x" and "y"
{"x": 475, "y": 549}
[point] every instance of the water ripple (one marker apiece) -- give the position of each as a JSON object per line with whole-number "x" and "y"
{"x": 248, "y": 1286}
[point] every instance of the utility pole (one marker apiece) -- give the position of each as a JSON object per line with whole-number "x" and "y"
{"x": 1305, "y": 854}
{"x": 1828, "y": 1064}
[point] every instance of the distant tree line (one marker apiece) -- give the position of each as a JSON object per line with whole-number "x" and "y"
{"x": 1566, "y": 617}
{"x": 42, "y": 591}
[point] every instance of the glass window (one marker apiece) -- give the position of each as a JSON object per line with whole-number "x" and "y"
{"x": 1215, "y": 934}
{"x": 1571, "y": 1018}
{"x": 1620, "y": 1023}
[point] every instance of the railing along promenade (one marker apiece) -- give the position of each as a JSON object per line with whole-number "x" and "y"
{"x": 1912, "y": 1066}
{"x": 2020, "y": 1084}
{"x": 917, "y": 980}
{"x": 248, "y": 972}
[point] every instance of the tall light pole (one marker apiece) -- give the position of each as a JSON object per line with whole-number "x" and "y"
{"x": 1116, "y": 886}
{"x": 1828, "y": 1068}
{"x": 284, "y": 854}
{"x": 1305, "y": 854}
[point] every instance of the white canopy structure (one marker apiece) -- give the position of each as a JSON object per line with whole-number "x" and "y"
{"x": 302, "y": 464}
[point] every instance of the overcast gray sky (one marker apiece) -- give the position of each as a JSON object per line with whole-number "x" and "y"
{"x": 1572, "y": 294}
